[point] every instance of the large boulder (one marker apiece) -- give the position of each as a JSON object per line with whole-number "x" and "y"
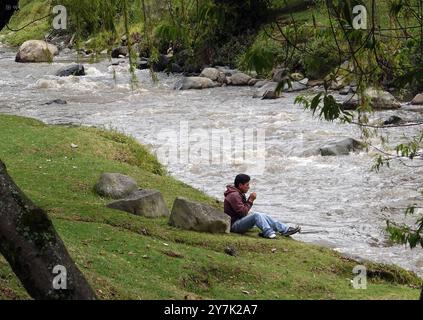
{"x": 382, "y": 100}
{"x": 239, "y": 79}
{"x": 36, "y": 51}
{"x": 188, "y": 83}
{"x": 163, "y": 63}
{"x": 418, "y": 100}
{"x": 195, "y": 216}
{"x": 268, "y": 91}
{"x": 214, "y": 75}
{"x": 147, "y": 203}
{"x": 342, "y": 147}
{"x": 115, "y": 185}
{"x": 379, "y": 100}
{"x": 120, "y": 51}
{"x": 71, "y": 70}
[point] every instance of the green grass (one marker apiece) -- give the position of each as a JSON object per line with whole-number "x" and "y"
{"x": 29, "y": 11}
{"x": 130, "y": 257}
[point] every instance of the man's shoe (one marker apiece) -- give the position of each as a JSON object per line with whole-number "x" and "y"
{"x": 272, "y": 236}
{"x": 291, "y": 231}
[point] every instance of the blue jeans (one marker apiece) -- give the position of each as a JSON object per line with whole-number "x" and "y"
{"x": 266, "y": 224}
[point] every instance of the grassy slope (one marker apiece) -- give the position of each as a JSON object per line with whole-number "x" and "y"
{"x": 30, "y": 10}
{"x": 125, "y": 256}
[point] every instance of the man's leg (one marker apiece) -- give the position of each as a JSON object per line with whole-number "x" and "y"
{"x": 257, "y": 219}
{"x": 274, "y": 224}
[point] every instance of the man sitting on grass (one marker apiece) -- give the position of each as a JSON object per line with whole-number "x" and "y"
{"x": 237, "y": 206}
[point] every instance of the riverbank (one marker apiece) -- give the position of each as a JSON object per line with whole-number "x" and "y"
{"x": 130, "y": 257}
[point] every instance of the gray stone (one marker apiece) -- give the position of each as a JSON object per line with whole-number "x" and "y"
{"x": 147, "y": 203}
{"x": 343, "y": 147}
{"x": 56, "y": 101}
{"x": 418, "y": 100}
{"x": 36, "y": 51}
{"x": 71, "y": 70}
{"x": 392, "y": 120}
{"x": 296, "y": 86}
{"x": 176, "y": 68}
{"x": 231, "y": 251}
{"x": 120, "y": 51}
{"x": 316, "y": 83}
{"x": 239, "y": 79}
{"x": 268, "y": 91}
{"x": 211, "y": 73}
{"x": 163, "y": 63}
{"x": 188, "y": 83}
{"x": 115, "y": 185}
{"x": 196, "y": 216}
{"x": 379, "y": 100}
{"x": 261, "y": 83}
{"x": 253, "y": 82}
{"x": 345, "y": 91}
{"x": 351, "y": 102}
{"x": 143, "y": 65}
{"x": 382, "y": 100}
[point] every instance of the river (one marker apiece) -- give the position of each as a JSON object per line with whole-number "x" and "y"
{"x": 338, "y": 201}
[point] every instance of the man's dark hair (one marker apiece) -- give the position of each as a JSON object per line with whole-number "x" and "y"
{"x": 241, "y": 179}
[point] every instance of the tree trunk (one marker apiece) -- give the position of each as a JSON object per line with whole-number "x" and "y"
{"x": 34, "y": 250}
{"x": 7, "y": 8}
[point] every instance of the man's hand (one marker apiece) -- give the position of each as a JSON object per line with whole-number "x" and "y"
{"x": 253, "y": 197}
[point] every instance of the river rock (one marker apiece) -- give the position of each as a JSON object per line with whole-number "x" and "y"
{"x": 71, "y": 70}
{"x": 351, "y": 102}
{"x": 147, "y": 203}
{"x": 214, "y": 75}
{"x": 382, "y": 100}
{"x": 120, "y": 51}
{"x": 379, "y": 100}
{"x": 342, "y": 147}
{"x": 316, "y": 83}
{"x": 268, "y": 91}
{"x": 196, "y": 216}
{"x": 36, "y": 51}
{"x": 345, "y": 91}
{"x": 337, "y": 84}
{"x": 296, "y": 86}
{"x": 115, "y": 185}
{"x": 392, "y": 120}
{"x": 297, "y": 76}
{"x": 188, "y": 83}
{"x": 163, "y": 63}
{"x": 261, "y": 83}
{"x": 418, "y": 100}
{"x": 239, "y": 79}
{"x": 253, "y": 82}
{"x": 176, "y": 68}
{"x": 56, "y": 101}
{"x": 143, "y": 64}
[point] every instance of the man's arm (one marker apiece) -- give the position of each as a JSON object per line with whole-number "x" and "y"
{"x": 238, "y": 206}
